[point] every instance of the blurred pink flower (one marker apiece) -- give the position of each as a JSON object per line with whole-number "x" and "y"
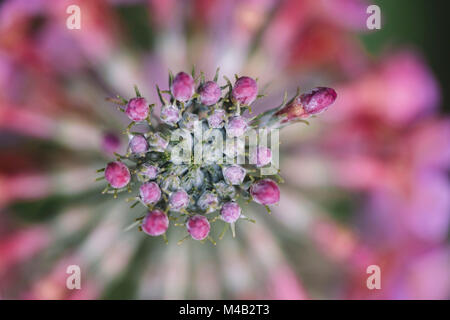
{"x": 399, "y": 90}
{"x": 52, "y": 286}
{"x": 19, "y": 246}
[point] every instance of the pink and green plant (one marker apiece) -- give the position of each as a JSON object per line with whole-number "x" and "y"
{"x": 189, "y": 194}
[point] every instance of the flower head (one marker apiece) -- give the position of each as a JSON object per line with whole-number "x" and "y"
{"x": 318, "y": 100}
{"x": 166, "y": 171}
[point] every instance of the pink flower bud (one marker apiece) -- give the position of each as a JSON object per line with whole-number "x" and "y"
{"x": 236, "y": 126}
{"x": 138, "y": 144}
{"x": 314, "y": 102}
{"x": 261, "y": 156}
{"x": 198, "y": 227}
{"x": 208, "y": 202}
{"x": 155, "y": 223}
{"x": 234, "y": 174}
{"x": 150, "y": 171}
{"x": 265, "y": 192}
{"x": 150, "y": 192}
{"x": 230, "y": 212}
{"x": 179, "y": 200}
{"x": 170, "y": 114}
{"x": 244, "y": 91}
{"x": 216, "y": 119}
{"x": 137, "y": 109}
{"x": 209, "y": 93}
{"x": 318, "y": 100}
{"x": 183, "y": 87}
{"x": 117, "y": 174}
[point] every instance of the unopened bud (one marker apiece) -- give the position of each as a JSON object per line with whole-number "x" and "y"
{"x": 236, "y": 126}
{"x": 155, "y": 223}
{"x": 209, "y": 93}
{"x": 117, "y": 174}
{"x": 137, "y": 109}
{"x": 150, "y": 192}
{"x": 138, "y": 144}
{"x": 183, "y": 87}
{"x": 308, "y": 104}
{"x": 198, "y": 227}
{"x": 265, "y": 192}
{"x": 234, "y": 174}
{"x": 170, "y": 114}
{"x": 178, "y": 200}
{"x": 244, "y": 90}
{"x": 230, "y": 212}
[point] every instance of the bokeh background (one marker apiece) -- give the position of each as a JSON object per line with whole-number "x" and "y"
{"x": 366, "y": 183}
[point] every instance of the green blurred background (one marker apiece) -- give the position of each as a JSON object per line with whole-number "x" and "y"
{"x": 420, "y": 24}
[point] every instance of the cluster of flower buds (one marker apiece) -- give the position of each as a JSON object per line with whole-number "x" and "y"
{"x": 194, "y": 194}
